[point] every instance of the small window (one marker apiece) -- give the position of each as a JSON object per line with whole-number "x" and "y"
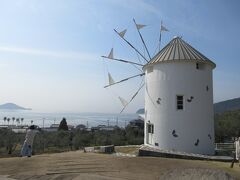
{"x": 179, "y": 102}
{"x": 197, "y": 66}
{"x": 150, "y": 128}
{"x": 150, "y": 69}
{"x": 200, "y": 66}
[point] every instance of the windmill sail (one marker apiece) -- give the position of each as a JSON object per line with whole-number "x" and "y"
{"x": 135, "y": 94}
{"x": 122, "y": 34}
{"x": 122, "y": 60}
{"x": 110, "y": 56}
{"x": 140, "y": 26}
{"x": 163, "y": 28}
{"x": 110, "y": 79}
{"x": 123, "y": 101}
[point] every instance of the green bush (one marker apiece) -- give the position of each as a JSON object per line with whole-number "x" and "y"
{"x": 227, "y": 125}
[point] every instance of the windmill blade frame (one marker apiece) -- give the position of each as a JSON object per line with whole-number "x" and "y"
{"x": 132, "y": 46}
{"x": 123, "y": 80}
{"x": 122, "y": 60}
{"x": 145, "y": 46}
{"x": 134, "y": 95}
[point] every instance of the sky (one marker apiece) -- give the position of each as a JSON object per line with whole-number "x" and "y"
{"x": 50, "y": 50}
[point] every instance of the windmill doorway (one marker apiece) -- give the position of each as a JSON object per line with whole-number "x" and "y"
{"x": 150, "y": 131}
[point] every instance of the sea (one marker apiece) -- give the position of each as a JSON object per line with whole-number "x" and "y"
{"x": 46, "y": 119}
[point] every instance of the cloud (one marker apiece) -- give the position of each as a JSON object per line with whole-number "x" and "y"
{"x": 3, "y": 65}
{"x": 55, "y": 54}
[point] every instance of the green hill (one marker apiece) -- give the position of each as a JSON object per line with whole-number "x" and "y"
{"x": 229, "y": 105}
{"x": 220, "y": 107}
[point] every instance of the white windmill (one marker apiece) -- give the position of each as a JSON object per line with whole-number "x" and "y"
{"x": 178, "y": 96}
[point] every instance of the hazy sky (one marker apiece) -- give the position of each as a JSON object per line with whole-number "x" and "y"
{"x": 50, "y": 49}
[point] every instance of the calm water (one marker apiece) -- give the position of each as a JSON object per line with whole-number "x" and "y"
{"x": 93, "y": 119}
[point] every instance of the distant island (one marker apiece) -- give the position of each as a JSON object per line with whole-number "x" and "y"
{"x": 12, "y": 106}
{"x": 140, "y": 111}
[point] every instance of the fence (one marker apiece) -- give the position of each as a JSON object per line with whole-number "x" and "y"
{"x": 225, "y": 149}
{"x": 225, "y": 146}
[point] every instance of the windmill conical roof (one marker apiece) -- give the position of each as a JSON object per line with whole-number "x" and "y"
{"x": 177, "y": 49}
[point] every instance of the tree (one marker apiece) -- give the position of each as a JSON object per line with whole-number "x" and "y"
{"x": 5, "y": 118}
{"x": 22, "y": 120}
{"x": 227, "y": 125}
{"x": 63, "y": 125}
{"x": 18, "y": 121}
{"x": 10, "y": 141}
{"x": 8, "y": 120}
{"x": 13, "y": 119}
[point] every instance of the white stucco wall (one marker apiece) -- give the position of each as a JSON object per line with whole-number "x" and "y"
{"x": 195, "y": 121}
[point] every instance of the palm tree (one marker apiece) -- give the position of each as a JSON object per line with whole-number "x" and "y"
{"x": 31, "y": 121}
{"x": 8, "y": 120}
{"x": 5, "y": 118}
{"x": 22, "y": 120}
{"x": 13, "y": 119}
{"x": 18, "y": 121}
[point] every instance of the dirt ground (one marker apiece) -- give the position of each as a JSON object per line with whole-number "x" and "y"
{"x": 79, "y": 165}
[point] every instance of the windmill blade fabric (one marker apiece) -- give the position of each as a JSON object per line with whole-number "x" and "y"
{"x": 163, "y": 28}
{"x": 110, "y": 79}
{"x": 123, "y": 101}
{"x": 122, "y": 33}
{"x": 140, "y": 26}
{"x": 110, "y": 56}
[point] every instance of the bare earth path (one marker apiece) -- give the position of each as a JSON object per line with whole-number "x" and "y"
{"x": 79, "y": 165}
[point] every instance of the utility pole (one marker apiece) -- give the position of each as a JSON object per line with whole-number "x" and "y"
{"x": 107, "y": 132}
{"x": 43, "y": 135}
{"x": 43, "y": 123}
{"x": 117, "y": 122}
